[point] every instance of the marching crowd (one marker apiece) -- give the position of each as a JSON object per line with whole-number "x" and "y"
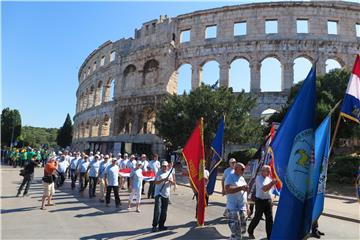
{"x": 105, "y": 170}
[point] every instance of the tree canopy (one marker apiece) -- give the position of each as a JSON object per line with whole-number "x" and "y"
{"x": 330, "y": 89}
{"x": 10, "y": 126}
{"x": 65, "y": 133}
{"x": 36, "y": 136}
{"x": 177, "y": 117}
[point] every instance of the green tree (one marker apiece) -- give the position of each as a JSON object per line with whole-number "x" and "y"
{"x": 10, "y": 126}
{"x": 64, "y": 136}
{"x": 36, "y": 136}
{"x": 330, "y": 89}
{"x": 177, "y": 117}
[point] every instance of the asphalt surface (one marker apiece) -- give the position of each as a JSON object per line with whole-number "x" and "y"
{"x": 78, "y": 217}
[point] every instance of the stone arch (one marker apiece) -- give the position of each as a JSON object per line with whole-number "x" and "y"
{"x": 271, "y": 74}
{"x": 210, "y": 71}
{"x": 302, "y": 66}
{"x": 147, "y": 121}
{"x": 95, "y": 128}
{"x": 109, "y": 90}
{"x": 239, "y": 74}
{"x": 125, "y": 122}
{"x": 82, "y": 130}
{"x": 184, "y": 76}
{"x": 86, "y": 99}
{"x": 91, "y": 96}
{"x": 332, "y": 63}
{"x": 304, "y": 55}
{"x": 87, "y": 129}
{"x": 129, "y": 77}
{"x": 105, "y": 126}
{"x": 99, "y": 93}
{"x": 151, "y": 72}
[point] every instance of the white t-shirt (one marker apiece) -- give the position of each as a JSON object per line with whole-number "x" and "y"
{"x": 260, "y": 183}
{"x": 112, "y": 172}
{"x": 62, "y": 166}
{"x": 236, "y": 201}
{"x": 227, "y": 172}
{"x": 154, "y": 165}
{"x": 163, "y": 188}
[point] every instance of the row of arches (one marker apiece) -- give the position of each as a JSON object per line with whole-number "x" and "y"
{"x": 136, "y": 122}
{"x": 95, "y": 95}
{"x": 239, "y": 73}
{"x": 150, "y": 75}
{"x": 93, "y": 128}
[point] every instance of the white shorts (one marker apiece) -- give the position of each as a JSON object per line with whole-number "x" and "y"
{"x": 49, "y": 189}
{"x": 135, "y": 195}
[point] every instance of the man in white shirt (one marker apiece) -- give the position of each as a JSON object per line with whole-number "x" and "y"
{"x": 263, "y": 201}
{"x": 112, "y": 182}
{"x": 124, "y": 164}
{"x": 236, "y": 192}
{"x": 145, "y": 167}
{"x": 101, "y": 180}
{"x": 73, "y": 169}
{"x": 227, "y": 172}
{"x": 83, "y": 173}
{"x": 163, "y": 181}
{"x": 154, "y": 166}
{"x": 62, "y": 167}
{"x": 93, "y": 170}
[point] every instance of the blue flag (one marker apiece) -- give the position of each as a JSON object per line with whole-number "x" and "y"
{"x": 216, "y": 147}
{"x": 322, "y": 147}
{"x": 293, "y": 151}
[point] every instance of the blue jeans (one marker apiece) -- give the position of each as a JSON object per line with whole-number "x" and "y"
{"x": 160, "y": 211}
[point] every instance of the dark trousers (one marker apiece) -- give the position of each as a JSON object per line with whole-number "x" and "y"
{"x": 73, "y": 178}
{"x": 92, "y": 186}
{"x": 84, "y": 180}
{"x": 60, "y": 179}
{"x": 160, "y": 211}
{"x": 116, "y": 193}
{"x": 128, "y": 182}
{"x": 262, "y": 206}
{"x": 26, "y": 180}
{"x": 151, "y": 190}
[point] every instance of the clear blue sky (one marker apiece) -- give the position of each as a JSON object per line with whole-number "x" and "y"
{"x": 44, "y": 44}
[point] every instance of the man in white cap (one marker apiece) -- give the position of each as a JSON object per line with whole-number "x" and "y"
{"x": 101, "y": 180}
{"x": 112, "y": 182}
{"x": 136, "y": 177}
{"x": 163, "y": 181}
{"x": 236, "y": 192}
{"x": 227, "y": 172}
{"x": 93, "y": 170}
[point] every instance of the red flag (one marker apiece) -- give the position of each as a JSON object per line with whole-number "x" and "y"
{"x": 270, "y": 157}
{"x": 194, "y": 155}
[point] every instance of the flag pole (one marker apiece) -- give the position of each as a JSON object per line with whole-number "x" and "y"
{"x": 336, "y": 128}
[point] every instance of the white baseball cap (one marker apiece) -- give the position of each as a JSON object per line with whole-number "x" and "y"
{"x": 164, "y": 163}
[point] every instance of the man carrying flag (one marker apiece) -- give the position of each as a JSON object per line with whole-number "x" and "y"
{"x": 351, "y": 103}
{"x": 293, "y": 150}
{"x": 194, "y": 155}
{"x": 216, "y": 147}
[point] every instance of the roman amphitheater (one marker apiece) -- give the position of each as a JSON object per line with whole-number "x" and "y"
{"x": 122, "y": 83}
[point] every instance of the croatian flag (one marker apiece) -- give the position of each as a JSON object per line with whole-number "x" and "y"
{"x": 351, "y": 104}
{"x": 148, "y": 175}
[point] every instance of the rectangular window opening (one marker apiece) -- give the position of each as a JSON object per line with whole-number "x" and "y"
{"x": 332, "y": 27}
{"x": 358, "y": 30}
{"x": 112, "y": 56}
{"x": 210, "y": 31}
{"x": 94, "y": 66}
{"x": 271, "y": 26}
{"x": 302, "y": 26}
{"x": 240, "y": 29}
{"x": 185, "y": 36}
{"x": 102, "y": 62}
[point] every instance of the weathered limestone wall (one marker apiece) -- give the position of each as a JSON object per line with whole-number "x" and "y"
{"x": 122, "y": 83}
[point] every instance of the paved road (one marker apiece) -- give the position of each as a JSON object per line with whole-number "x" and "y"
{"x": 77, "y": 217}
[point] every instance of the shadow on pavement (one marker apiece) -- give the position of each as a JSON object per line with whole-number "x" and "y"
{"x": 112, "y": 235}
{"x": 25, "y": 209}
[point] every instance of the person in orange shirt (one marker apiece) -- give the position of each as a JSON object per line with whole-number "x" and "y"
{"x": 48, "y": 182}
